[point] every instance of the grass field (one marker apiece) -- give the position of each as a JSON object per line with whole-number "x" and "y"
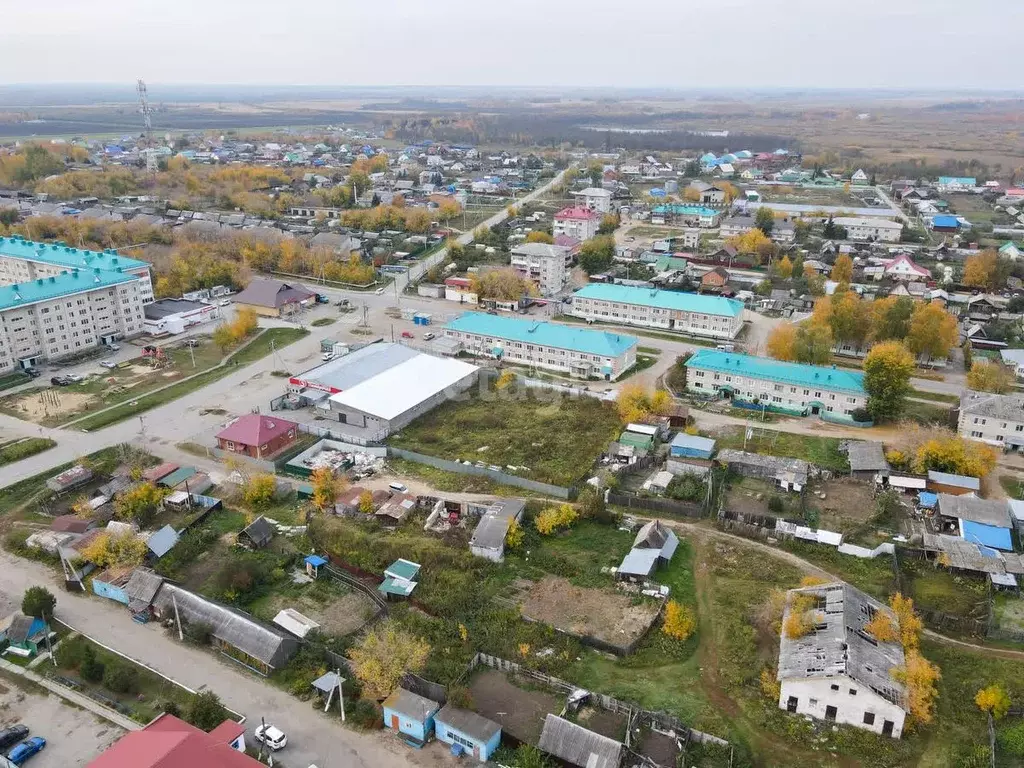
{"x": 16, "y": 450}
{"x": 273, "y": 338}
{"x": 14, "y": 379}
{"x": 1014, "y": 486}
{"x": 823, "y": 451}
{"x": 556, "y": 438}
{"x": 938, "y": 397}
{"x": 925, "y": 413}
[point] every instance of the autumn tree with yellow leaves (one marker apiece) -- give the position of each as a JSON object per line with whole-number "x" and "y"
{"x": 635, "y": 404}
{"x": 981, "y": 270}
{"x": 842, "y": 270}
{"x": 385, "y": 654}
{"x": 116, "y": 550}
{"x": 680, "y": 621}
{"x": 994, "y": 700}
{"x": 986, "y": 376}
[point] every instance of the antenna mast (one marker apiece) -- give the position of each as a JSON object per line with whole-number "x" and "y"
{"x": 147, "y": 122}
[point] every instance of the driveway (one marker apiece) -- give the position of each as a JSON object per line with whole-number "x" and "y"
{"x": 312, "y": 737}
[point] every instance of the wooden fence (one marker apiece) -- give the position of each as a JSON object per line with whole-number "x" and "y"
{"x": 662, "y": 506}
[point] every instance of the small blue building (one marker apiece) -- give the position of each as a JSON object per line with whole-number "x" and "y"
{"x": 410, "y": 715}
{"x": 692, "y": 446}
{"x": 476, "y": 734}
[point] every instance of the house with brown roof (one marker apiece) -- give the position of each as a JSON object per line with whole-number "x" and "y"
{"x": 273, "y": 298}
{"x": 257, "y": 435}
{"x": 714, "y": 280}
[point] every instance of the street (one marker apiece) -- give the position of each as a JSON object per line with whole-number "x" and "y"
{"x": 312, "y": 737}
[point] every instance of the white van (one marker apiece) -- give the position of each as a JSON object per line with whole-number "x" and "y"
{"x": 726, "y": 347}
{"x": 398, "y": 487}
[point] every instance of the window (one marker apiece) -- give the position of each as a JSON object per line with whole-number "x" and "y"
{"x": 869, "y": 718}
{"x": 976, "y": 433}
{"x": 834, "y": 687}
{"x": 813, "y": 702}
{"x": 853, "y": 691}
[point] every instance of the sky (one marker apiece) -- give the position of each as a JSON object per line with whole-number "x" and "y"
{"x": 684, "y": 44}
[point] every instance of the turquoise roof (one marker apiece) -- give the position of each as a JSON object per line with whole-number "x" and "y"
{"x": 796, "y": 374}
{"x": 677, "y": 300}
{"x": 403, "y": 569}
{"x": 548, "y": 334}
{"x": 46, "y": 288}
{"x": 62, "y": 255}
{"x": 686, "y": 210}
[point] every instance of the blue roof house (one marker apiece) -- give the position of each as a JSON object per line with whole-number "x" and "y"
{"x": 410, "y": 715}
{"x": 467, "y": 732}
{"x": 985, "y": 522}
{"x": 691, "y": 446}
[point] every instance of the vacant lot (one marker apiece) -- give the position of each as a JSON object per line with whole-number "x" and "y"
{"x": 813, "y": 196}
{"x": 751, "y": 496}
{"x": 74, "y": 737}
{"x": 615, "y": 618}
{"x": 337, "y": 609}
{"x": 518, "y": 711}
{"x": 554, "y": 440}
{"x": 847, "y": 505}
{"x": 823, "y": 451}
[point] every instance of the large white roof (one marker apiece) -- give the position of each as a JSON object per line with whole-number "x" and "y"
{"x": 404, "y": 386}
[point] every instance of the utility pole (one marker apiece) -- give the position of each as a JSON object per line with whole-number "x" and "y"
{"x": 177, "y": 617}
{"x": 192, "y": 351}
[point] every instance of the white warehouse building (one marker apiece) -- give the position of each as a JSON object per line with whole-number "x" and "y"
{"x": 693, "y": 313}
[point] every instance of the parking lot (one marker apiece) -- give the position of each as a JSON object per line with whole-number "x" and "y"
{"x": 74, "y": 737}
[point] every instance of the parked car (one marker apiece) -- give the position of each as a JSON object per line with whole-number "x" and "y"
{"x": 74, "y": 377}
{"x": 407, "y": 335}
{"x": 428, "y": 336}
{"x": 33, "y": 372}
{"x": 327, "y": 356}
{"x": 225, "y": 302}
{"x": 379, "y": 292}
{"x": 60, "y": 381}
{"x": 11, "y": 736}
{"x": 399, "y": 487}
{"x": 114, "y": 347}
{"x": 26, "y": 749}
{"x": 271, "y": 736}
{"x": 191, "y": 342}
{"x": 108, "y": 364}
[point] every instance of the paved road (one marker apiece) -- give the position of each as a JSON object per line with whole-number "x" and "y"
{"x": 312, "y": 738}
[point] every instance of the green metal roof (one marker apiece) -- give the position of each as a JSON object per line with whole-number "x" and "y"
{"x": 676, "y": 300}
{"x": 46, "y": 288}
{"x": 796, "y": 374}
{"x": 636, "y": 440}
{"x": 403, "y": 569}
{"x": 62, "y": 255}
{"x": 392, "y": 587}
{"x": 547, "y": 334}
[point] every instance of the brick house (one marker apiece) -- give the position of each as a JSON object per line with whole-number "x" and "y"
{"x": 714, "y": 280}
{"x": 257, "y": 436}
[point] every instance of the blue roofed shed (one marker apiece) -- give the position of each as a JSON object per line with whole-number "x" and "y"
{"x": 945, "y": 222}
{"x": 692, "y": 446}
{"x": 927, "y": 500}
{"x": 986, "y": 535}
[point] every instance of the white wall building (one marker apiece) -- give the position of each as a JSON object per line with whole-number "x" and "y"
{"x": 994, "y": 419}
{"x": 837, "y": 671}
{"x": 542, "y": 263}
{"x": 595, "y": 199}
{"x": 692, "y": 313}
{"x": 871, "y": 229}
{"x": 578, "y": 223}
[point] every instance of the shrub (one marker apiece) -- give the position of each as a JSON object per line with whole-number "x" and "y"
{"x": 205, "y": 711}
{"x": 70, "y": 653}
{"x": 91, "y": 669}
{"x": 554, "y": 519}
{"x": 775, "y": 505}
{"x": 680, "y": 621}
{"x": 365, "y": 714}
{"x": 121, "y": 678}
{"x": 860, "y": 415}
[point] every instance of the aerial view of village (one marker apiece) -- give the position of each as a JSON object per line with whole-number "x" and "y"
{"x": 626, "y": 424}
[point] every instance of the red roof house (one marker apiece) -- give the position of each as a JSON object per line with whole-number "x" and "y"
{"x": 168, "y": 742}
{"x": 257, "y": 435}
{"x": 904, "y": 268}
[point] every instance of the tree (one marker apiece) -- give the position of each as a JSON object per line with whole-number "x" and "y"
{"x": 325, "y": 488}
{"x": 987, "y": 376}
{"x": 890, "y": 317}
{"x": 205, "y": 711}
{"x": 539, "y": 237}
{"x": 952, "y": 453}
{"x": 980, "y": 271}
{"x": 781, "y": 342}
{"x": 596, "y": 254}
{"x": 121, "y": 550}
{"x": 993, "y": 700}
{"x": 764, "y": 219}
{"x": 933, "y": 331}
{"x": 751, "y": 241}
{"x": 813, "y": 344}
{"x": 366, "y": 503}
{"x": 784, "y": 267}
{"x": 842, "y": 270}
{"x": 139, "y": 504}
{"x": 634, "y": 403}
{"x": 595, "y": 170}
{"x": 850, "y": 318}
{"x": 120, "y": 678}
{"x": 691, "y": 195}
{"x": 448, "y": 210}
{"x": 798, "y": 267}
{"x": 258, "y": 491}
{"x": 609, "y": 223}
{"x": 887, "y": 370}
{"x": 883, "y": 628}
{"x": 919, "y": 676}
{"x": 909, "y": 623}
{"x": 514, "y": 536}
{"x": 386, "y": 653}
{"x": 553, "y": 519}
{"x": 38, "y": 602}
{"x": 968, "y": 351}
{"x": 680, "y": 621}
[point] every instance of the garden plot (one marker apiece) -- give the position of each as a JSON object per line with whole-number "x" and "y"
{"x": 518, "y": 711}
{"x": 752, "y": 496}
{"x": 612, "y": 617}
{"x": 847, "y": 505}
{"x": 338, "y": 610}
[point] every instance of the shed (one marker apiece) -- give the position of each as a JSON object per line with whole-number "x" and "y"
{"x": 400, "y": 578}
{"x": 979, "y": 521}
{"x": 944, "y": 482}
{"x": 927, "y": 500}
{"x": 866, "y": 458}
{"x": 638, "y": 564}
{"x": 141, "y": 588}
{"x": 637, "y": 440}
{"x": 163, "y": 541}
{"x": 313, "y": 564}
{"x": 692, "y": 446}
{"x": 154, "y": 474}
{"x": 180, "y": 475}
{"x": 69, "y": 478}
{"x": 111, "y": 584}
{"x": 656, "y": 536}
{"x": 295, "y": 623}
{"x": 478, "y": 735}
{"x": 577, "y": 745}
{"x": 256, "y": 534}
{"x": 410, "y": 715}
{"x": 488, "y": 539}
{"x": 71, "y": 524}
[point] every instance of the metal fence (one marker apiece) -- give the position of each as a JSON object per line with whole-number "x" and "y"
{"x": 492, "y": 474}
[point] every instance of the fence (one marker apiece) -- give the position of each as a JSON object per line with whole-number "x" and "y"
{"x": 261, "y": 464}
{"x": 493, "y": 474}
{"x": 661, "y": 720}
{"x": 662, "y": 506}
{"x": 343, "y": 437}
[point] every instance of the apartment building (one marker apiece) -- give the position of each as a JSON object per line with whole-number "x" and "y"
{"x": 51, "y": 309}
{"x": 882, "y": 230}
{"x": 543, "y": 264}
{"x": 994, "y": 419}
{"x": 794, "y": 388}
{"x": 579, "y": 352}
{"x": 24, "y": 260}
{"x": 578, "y": 223}
{"x": 595, "y": 199}
{"x": 699, "y": 315}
